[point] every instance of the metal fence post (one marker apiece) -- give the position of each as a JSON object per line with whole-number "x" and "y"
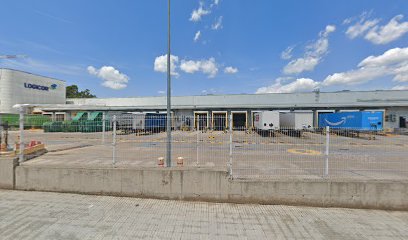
{"x": 326, "y": 163}
{"x": 1, "y": 132}
{"x": 103, "y": 127}
{"x": 230, "y": 145}
{"x": 21, "y": 142}
{"x": 114, "y": 141}
{"x": 198, "y": 138}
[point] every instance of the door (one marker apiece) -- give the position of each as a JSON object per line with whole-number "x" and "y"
{"x": 219, "y": 121}
{"x": 201, "y": 120}
{"x": 239, "y": 121}
{"x": 403, "y": 122}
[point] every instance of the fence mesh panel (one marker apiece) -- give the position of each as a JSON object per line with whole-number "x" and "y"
{"x": 203, "y": 140}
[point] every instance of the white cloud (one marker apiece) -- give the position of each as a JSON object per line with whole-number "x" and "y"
{"x": 399, "y": 87}
{"x": 299, "y": 85}
{"x": 347, "y": 21}
{"x": 160, "y": 64}
{"x": 393, "y": 62}
{"x": 208, "y": 67}
{"x": 197, "y": 36}
{"x": 197, "y": 14}
{"x": 190, "y": 66}
{"x": 301, "y": 64}
{"x": 218, "y": 24}
{"x": 210, "y": 91}
{"x": 287, "y": 53}
{"x": 391, "y": 56}
{"x": 393, "y": 30}
{"x": 375, "y": 33}
{"x": 354, "y": 77}
{"x": 329, "y": 29}
{"x": 161, "y": 92}
{"x": 215, "y": 3}
{"x": 363, "y": 16}
{"x": 111, "y": 77}
{"x": 360, "y": 28}
{"x": 401, "y": 72}
{"x": 230, "y": 70}
{"x": 314, "y": 53}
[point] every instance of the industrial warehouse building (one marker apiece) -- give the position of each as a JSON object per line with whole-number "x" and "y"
{"x": 14, "y": 89}
{"x": 18, "y": 87}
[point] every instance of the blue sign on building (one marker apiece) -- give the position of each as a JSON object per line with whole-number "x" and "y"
{"x": 364, "y": 121}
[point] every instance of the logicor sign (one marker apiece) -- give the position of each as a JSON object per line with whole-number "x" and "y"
{"x": 35, "y": 86}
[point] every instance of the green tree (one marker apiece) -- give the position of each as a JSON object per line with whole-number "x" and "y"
{"x": 72, "y": 91}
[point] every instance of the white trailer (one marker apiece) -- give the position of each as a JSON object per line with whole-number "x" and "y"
{"x": 138, "y": 121}
{"x": 296, "y": 120}
{"x": 266, "y": 121}
{"x": 295, "y": 123}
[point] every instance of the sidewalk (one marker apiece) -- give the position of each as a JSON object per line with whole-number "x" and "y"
{"x": 39, "y": 215}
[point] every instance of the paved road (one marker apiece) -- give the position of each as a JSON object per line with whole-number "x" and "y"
{"x": 38, "y": 215}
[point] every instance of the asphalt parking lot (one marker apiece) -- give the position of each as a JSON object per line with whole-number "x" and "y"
{"x": 253, "y": 155}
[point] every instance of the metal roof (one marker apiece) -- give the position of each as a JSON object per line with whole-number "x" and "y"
{"x": 343, "y": 99}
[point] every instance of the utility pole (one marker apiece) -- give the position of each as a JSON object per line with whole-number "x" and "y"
{"x": 168, "y": 157}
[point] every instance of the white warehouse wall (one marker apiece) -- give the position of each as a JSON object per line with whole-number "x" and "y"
{"x": 17, "y": 87}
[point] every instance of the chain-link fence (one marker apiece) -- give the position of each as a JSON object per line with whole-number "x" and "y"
{"x": 129, "y": 140}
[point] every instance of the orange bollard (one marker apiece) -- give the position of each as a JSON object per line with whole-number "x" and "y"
{"x": 161, "y": 161}
{"x": 180, "y": 161}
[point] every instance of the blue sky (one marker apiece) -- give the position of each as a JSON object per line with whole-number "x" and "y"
{"x": 114, "y": 47}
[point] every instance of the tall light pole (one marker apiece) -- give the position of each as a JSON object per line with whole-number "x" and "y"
{"x": 168, "y": 157}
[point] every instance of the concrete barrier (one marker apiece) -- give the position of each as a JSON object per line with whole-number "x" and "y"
{"x": 213, "y": 185}
{"x": 7, "y": 177}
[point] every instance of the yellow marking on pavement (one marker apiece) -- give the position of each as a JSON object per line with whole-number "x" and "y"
{"x": 304, "y": 151}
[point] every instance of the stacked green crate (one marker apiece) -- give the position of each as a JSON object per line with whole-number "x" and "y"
{"x": 78, "y": 122}
{"x": 52, "y": 126}
{"x": 30, "y": 121}
{"x": 47, "y": 126}
{"x": 82, "y": 122}
{"x": 12, "y": 120}
{"x": 35, "y": 121}
{"x": 93, "y": 123}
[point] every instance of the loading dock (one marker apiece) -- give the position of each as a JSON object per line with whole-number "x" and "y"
{"x": 239, "y": 120}
{"x": 219, "y": 120}
{"x": 201, "y": 119}
{"x": 403, "y": 122}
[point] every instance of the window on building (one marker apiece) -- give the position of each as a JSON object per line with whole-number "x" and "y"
{"x": 59, "y": 117}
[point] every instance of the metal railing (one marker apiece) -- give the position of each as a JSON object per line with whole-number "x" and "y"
{"x": 129, "y": 140}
